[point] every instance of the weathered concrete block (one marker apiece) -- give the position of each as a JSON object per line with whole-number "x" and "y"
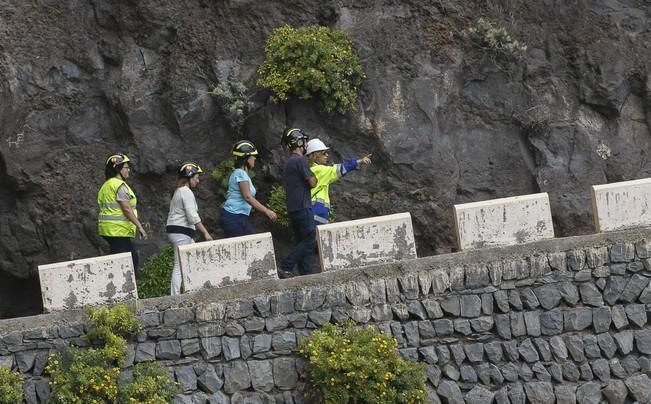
{"x": 363, "y": 242}
{"x": 227, "y": 262}
{"x": 621, "y": 205}
{"x": 91, "y": 281}
{"x": 505, "y": 221}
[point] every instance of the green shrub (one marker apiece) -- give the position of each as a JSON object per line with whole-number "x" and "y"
{"x": 11, "y": 386}
{"x": 534, "y": 121}
{"x": 150, "y": 385}
{"x": 495, "y": 38}
{"x": 277, "y": 204}
{"x": 91, "y": 375}
{"x": 311, "y": 62}
{"x": 221, "y": 174}
{"x": 157, "y": 274}
{"x": 234, "y": 101}
{"x": 360, "y": 365}
{"x": 603, "y": 151}
{"x": 82, "y": 376}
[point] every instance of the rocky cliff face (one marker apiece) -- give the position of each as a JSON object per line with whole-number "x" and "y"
{"x": 448, "y": 119}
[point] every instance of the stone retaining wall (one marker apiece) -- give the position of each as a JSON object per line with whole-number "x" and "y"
{"x": 562, "y": 320}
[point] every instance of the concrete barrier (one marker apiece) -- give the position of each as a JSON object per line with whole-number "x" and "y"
{"x": 505, "y": 221}
{"x": 92, "y": 281}
{"x": 363, "y": 242}
{"x": 621, "y": 205}
{"x": 227, "y": 262}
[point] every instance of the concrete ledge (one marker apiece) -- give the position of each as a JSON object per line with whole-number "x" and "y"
{"x": 92, "y": 281}
{"x": 330, "y": 280}
{"x": 502, "y": 222}
{"x": 363, "y": 242}
{"x": 227, "y": 262}
{"x": 621, "y": 205}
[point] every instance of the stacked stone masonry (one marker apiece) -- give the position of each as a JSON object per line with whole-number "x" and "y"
{"x": 563, "y": 320}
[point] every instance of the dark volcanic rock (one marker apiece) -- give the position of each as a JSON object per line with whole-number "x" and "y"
{"x": 447, "y": 121}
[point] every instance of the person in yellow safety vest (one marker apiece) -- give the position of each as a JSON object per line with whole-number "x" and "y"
{"x": 117, "y": 221}
{"x": 317, "y": 156}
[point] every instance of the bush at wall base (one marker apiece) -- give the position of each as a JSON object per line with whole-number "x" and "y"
{"x": 348, "y": 364}
{"x": 11, "y": 386}
{"x": 94, "y": 375}
{"x": 156, "y": 274}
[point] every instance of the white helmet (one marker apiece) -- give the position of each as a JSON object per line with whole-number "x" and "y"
{"x": 315, "y": 145}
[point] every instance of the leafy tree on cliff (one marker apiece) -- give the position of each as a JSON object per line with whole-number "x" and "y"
{"x": 311, "y": 62}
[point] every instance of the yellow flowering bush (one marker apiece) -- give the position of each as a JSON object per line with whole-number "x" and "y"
{"x": 91, "y": 375}
{"x": 11, "y": 386}
{"x": 348, "y": 364}
{"x": 151, "y": 385}
{"x": 312, "y": 61}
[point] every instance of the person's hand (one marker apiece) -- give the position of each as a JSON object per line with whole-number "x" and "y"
{"x": 365, "y": 160}
{"x": 143, "y": 233}
{"x": 271, "y": 215}
{"x": 207, "y": 237}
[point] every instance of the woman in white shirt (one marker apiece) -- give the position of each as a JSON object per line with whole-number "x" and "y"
{"x": 183, "y": 218}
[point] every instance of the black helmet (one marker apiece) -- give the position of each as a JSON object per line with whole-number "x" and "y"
{"x": 244, "y": 148}
{"x": 294, "y": 138}
{"x": 188, "y": 169}
{"x": 117, "y": 159}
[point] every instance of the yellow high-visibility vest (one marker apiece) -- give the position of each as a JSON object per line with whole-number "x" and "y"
{"x": 111, "y": 221}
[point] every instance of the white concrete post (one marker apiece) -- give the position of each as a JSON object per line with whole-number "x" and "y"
{"x": 92, "y": 281}
{"x": 502, "y": 222}
{"x": 621, "y": 205}
{"x": 363, "y": 242}
{"x": 227, "y": 262}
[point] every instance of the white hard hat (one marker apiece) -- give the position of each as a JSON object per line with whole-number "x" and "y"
{"x": 315, "y": 145}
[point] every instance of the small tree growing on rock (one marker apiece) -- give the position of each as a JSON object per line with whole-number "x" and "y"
{"x": 494, "y": 38}
{"x": 232, "y": 96}
{"x": 311, "y": 62}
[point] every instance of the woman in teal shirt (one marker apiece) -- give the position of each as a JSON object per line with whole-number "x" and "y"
{"x": 240, "y": 197}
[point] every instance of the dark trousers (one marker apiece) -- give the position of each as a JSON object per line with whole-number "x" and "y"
{"x": 235, "y": 225}
{"x": 122, "y": 245}
{"x": 305, "y": 234}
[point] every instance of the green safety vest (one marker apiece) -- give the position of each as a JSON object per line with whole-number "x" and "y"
{"x": 111, "y": 222}
{"x": 325, "y": 175}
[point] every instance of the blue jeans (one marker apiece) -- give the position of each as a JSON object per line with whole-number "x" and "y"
{"x": 305, "y": 234}
{"x": 235, "y": 225}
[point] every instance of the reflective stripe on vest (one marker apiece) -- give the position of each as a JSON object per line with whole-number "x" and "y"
{"x": 111, "y": 221}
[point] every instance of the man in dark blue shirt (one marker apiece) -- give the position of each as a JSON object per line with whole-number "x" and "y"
{"x": 298, "y": 180}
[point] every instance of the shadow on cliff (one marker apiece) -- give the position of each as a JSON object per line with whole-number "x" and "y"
{"x": 23, "y": 293}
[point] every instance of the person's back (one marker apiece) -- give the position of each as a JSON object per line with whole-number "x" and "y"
{"x": 297, "y": 190}
{"x": 298, "y": 180}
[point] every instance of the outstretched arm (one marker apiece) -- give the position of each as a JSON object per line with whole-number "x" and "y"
{"x": 347, "y": 166}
